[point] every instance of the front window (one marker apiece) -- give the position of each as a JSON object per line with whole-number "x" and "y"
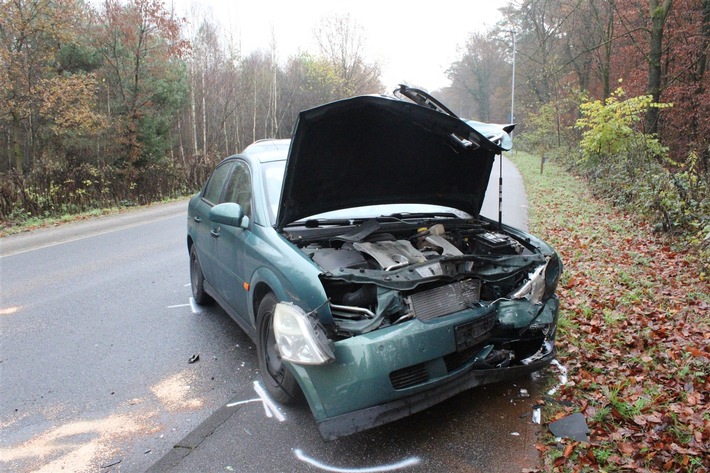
{"x": 213, "y": 190}
{"x": 239, "y": 188}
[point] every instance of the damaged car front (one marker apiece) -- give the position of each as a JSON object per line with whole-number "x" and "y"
{"x": 418, "y": 297}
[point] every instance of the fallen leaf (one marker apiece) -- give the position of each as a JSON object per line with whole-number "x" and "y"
{"x": 568, "y": 450}
{"x": 626, "y": 448}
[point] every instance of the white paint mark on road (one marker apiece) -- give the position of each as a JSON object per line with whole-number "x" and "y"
{"x": 196, "y": 309}
{"x": 373, "y": 469}
{"x": 270, "y": 407}
{"x": 239, "y": 403}
{"x": 563, "y": 377}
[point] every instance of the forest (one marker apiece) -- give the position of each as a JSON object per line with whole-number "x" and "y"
{"x": 124, "y": 102}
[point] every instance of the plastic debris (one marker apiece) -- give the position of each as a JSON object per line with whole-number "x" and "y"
{"x": 536, "y": 415}
{"x": 194, "y": 358}
{"x": 573, "y": 427}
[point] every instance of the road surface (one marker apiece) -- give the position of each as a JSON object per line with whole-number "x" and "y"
{"x": 97, "y": 332}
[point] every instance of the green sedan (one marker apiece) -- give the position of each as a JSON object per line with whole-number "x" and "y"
{"x": 355, "y": 256}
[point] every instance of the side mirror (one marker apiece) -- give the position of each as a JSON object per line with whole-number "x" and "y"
{"x": 229, "y": 214}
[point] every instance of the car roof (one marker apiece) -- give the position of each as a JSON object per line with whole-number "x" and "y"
{"x": 268, "y": 150}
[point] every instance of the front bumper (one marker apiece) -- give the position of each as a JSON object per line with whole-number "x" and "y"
{"x": 393, "y": 372}
{"x": 352, "y": 422}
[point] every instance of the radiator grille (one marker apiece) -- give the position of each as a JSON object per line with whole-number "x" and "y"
{"x": 458, "y": 359}
{"x": 445, "y": 300}
{"x": 410, "y": 376}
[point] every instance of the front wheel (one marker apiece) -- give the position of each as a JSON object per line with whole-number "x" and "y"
{"x": 278, "y": 380}
{"x": 197, "y": 279}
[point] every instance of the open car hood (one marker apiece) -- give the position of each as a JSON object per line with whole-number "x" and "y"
{"x": 371, "y": 150}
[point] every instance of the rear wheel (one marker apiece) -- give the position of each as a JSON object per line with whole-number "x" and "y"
{"x": 278, "y": 380}
{"x": 197, "y": 279}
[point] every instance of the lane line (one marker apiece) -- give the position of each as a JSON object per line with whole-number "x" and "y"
{"x": 84, "y": 237}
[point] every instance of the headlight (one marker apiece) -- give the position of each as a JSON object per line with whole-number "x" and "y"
{"x": 298, "y": 338}
{"x": 542, "y": 283}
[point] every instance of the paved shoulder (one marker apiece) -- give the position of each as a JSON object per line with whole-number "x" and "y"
{"x": 515, "y": 201}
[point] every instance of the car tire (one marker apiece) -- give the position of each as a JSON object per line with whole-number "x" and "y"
{"x": 197, "y": 279}
{"x": 278, "y": 380}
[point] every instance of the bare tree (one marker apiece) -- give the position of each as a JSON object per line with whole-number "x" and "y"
{"x": 341, "y": 41}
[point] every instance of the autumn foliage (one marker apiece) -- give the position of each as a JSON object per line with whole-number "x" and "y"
{"x": 125, "y": 102}
{"x": 634, "y": 334}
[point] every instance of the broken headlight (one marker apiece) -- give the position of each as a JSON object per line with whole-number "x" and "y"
{"x": 542, "y": 282}
{"x": 299, "y": 338}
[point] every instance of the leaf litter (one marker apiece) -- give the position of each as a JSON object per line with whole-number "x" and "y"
{"x": 634, "y": 333}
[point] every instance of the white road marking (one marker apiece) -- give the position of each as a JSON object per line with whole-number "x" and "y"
{"x": 196, "y": 309}
{"x": 238, "y": 403}
{"x": 270, "y": 408}
{"x": 373, "y": 469}
{"x": 84, "y": 237}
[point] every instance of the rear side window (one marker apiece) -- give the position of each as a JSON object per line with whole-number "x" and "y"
{"x": 216, "y": 183}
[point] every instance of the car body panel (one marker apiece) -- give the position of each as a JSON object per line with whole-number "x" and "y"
{"x": 408, "y": 157}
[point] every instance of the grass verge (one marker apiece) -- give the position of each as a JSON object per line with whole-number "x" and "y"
{"x": 634, "y": 333}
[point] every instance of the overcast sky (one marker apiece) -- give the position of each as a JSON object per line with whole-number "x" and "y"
{"x": 414, "y": 41}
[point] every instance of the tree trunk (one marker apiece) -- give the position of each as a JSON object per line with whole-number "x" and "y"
{"x": 193, "y": 106}
{"x": 204, "y": 113}
{"x": 658, "y": 18}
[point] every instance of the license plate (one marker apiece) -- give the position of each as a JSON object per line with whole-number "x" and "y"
{"x": 474, "y": 332}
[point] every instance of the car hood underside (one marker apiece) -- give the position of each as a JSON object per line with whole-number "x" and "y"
{"x": 371, "y": 150}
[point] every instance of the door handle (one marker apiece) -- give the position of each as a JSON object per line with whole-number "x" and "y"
{"x": 197, "y": 218}
{"x": 215, "y": 232}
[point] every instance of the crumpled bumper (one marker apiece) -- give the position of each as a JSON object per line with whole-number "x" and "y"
{"x": 363, "y": 419}
{"x": 391, "y": 373}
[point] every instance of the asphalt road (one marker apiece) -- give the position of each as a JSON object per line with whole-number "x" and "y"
{"x": 96, "y": 334}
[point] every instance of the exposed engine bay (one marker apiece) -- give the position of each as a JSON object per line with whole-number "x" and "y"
{"x": 380, "y": 274}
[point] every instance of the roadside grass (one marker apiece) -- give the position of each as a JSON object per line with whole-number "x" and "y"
{"x": 634, "y": 333}
{"x": 32, "y": 223}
